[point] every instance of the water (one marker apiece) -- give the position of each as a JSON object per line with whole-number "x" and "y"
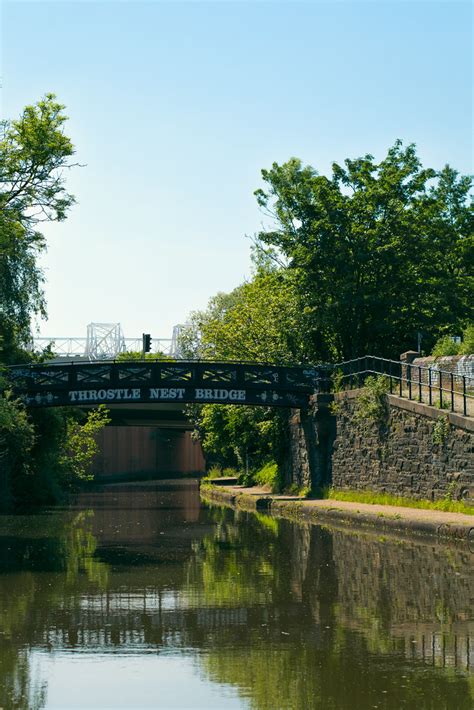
{"x": 138, "y": 597}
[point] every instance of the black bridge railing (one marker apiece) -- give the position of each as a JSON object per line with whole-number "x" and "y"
{"x": 131, "y": 382}
{"x": 113, "y": 381}
{"x": 447, "y": 390}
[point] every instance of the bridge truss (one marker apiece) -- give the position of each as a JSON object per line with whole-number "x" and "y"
{"x": 105, "y": 341}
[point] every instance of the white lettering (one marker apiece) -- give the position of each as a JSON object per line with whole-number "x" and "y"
{"x": 72, "y": 396}
{"x": 136, "y": 394}
{"x": 82, "y": 396}
{"x": 110, "y": 394}
{"x": 180, "y": 392}
{"x": 93, "y": 394}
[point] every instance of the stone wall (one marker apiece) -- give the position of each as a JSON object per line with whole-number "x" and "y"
{"x": 459, "y": 365}
{"x": 416, "y": 450}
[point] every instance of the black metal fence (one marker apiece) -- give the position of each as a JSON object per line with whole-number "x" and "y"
{"x": 447, "y": 390}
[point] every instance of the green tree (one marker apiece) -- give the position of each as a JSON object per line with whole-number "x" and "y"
{"x": 376, "y": 253}
{"x": 34, "y": 152}
{"x": 80, "y": 445}
{"x": 257, "y": 322}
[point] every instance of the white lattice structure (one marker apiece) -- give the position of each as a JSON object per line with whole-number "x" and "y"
{"x": 105, "y": 341}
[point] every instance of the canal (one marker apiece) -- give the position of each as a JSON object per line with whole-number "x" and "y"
{"x": 138, "y": 596}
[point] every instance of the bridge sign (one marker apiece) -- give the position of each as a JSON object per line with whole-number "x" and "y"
{"x": 88, "y": 384}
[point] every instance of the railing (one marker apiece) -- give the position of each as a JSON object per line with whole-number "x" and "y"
{"x": 429, "y": 385}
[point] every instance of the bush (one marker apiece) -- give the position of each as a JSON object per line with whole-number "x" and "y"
{"x": 372, "y": 401}
{"x": 467, "y": 345}
{"x": 445, "y": 346}
{"x": 268, "y": 475}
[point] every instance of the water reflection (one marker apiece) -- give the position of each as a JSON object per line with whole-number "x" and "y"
{"x": 210, "y": 608}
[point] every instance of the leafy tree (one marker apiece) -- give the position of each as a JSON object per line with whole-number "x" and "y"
{"x": 375, "y": 253}
{"x": 40, "y": 450}
{"x": 34, "y": 151}
{"x": 258, "y": 321}
{"x": 239, "y": 436}
{"x": 80, "y": 445}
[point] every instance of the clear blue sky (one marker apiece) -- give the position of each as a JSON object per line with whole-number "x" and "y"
{"x": 175, "y": 108}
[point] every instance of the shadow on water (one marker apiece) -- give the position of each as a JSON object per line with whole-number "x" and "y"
{"x": 265, "y": 614}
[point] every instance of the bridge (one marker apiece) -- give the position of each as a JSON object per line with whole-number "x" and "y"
{"x": 171, "y": 382}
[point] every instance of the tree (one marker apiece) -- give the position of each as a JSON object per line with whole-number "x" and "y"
{"x": 375, "y": 253}
{"x": 34, "y": 151}
{"x": 258, "y": 321}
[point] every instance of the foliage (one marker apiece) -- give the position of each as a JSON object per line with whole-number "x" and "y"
{"x": 440, "y": 430}
{"x": 467, "y": 345}
{"x": 269, "y": 475}
{"x": 445, "y": 345}
{"x": 214, "y": 472}
{"x": 372, "y": 401}
{"x": 138, "y": 355}
{"x": 34, "y": 151}
{"x": 238, "y": 436}
{"x": 17, "y": 437}
{"x": 81, "y": 444}
{"x": 258, "y": 321}
{"x": 446, "y": 504}
{"x": 374, "y": 253}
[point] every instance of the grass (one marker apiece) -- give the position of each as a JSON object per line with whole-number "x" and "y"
{"x": 267, "y": 475}
{"x": 216, "y": 472}
{"x": 446, "y": 505}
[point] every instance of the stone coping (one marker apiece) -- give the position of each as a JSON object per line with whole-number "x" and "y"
{"x": 412, "y": 521}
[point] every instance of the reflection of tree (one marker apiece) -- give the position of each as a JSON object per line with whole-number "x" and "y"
{"x": 41, "y": 564}
{"x": 79, "y": 548}
{"x": 19, "y": 691}
{"x": 320, "y": 625}
{"x": 293, "y": 616}
{"x": 235, "y": 565}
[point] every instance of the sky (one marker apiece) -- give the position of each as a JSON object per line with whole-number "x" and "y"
{"x": 175, "y": 107}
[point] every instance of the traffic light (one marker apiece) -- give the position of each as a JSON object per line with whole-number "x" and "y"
{"x": 146, "y": 342}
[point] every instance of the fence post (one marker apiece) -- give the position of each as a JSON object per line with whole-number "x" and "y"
{"x": 452, "y": 392}
{"x": 464, "y": 395}
{"x": 430, "y": 393}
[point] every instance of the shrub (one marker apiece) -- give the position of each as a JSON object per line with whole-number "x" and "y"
{"x": 372, "y": 401}
{"x": 467, "y": 345}
{"x": 445, "y": 346}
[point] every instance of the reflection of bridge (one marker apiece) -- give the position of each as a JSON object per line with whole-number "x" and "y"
{"x": 119, "y": 383}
